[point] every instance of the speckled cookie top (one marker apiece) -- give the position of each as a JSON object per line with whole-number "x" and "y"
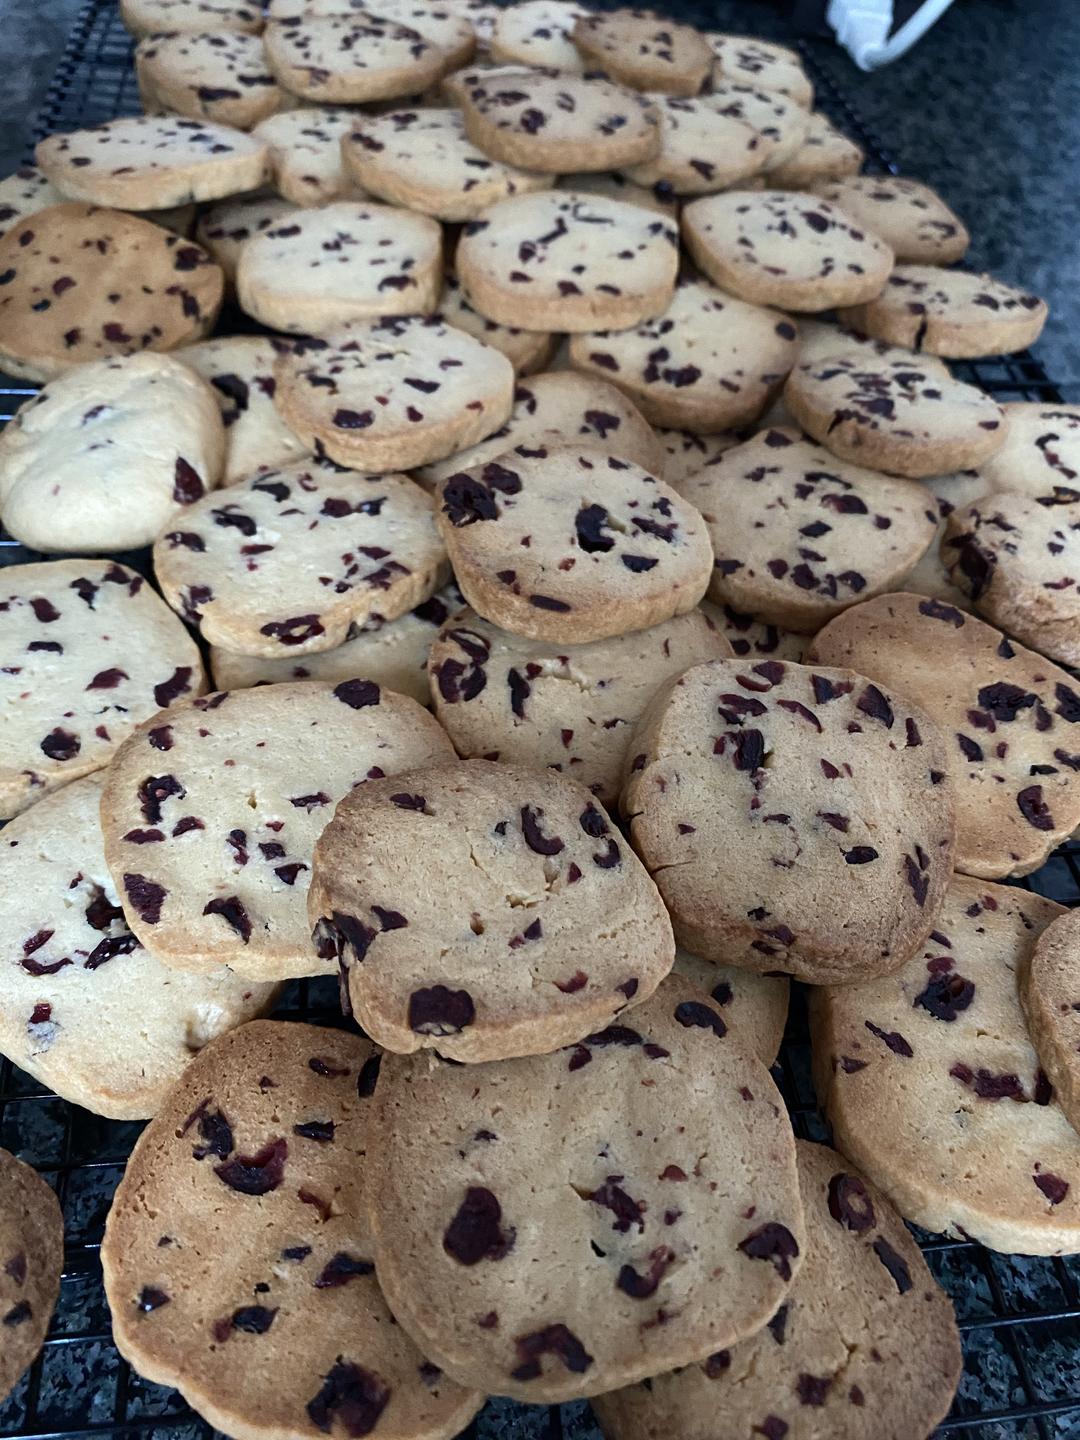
{"x": 910, "y": 217}
{"x": 305, "y": 153}
{"x": 1041, "y": 453}
{"x": 160, "y": 17}
{"x": 138, "y": 147}
{"x": 23, "y": 193}
{"x": 780, "y": 122}
{"x": 353, "y": 57}
{"x": 761, "y": 63}
{"x": 221, "y": 73}
{"x": 537, "y": 32}
{"x": 701, "y": 148}
{"x": 31, "y": 1258}
{"x": 647, "y": 50}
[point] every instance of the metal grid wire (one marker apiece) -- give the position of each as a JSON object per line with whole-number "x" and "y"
{"x": 1020, "y": 1317}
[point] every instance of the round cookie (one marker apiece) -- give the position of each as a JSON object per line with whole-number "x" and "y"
{"x": 323, "y": 268}
{"x": 1018, "y": 559}
{"x": 290, "y": 560}
{"x": 537, "y": 33}
{"x": 162, "y": 17}
{"x": 569, "y": 1165}
{"x": 569, "y": 544}
{"x": 561, "y": 407}
{"x": 798, "y": 535}
{"x": 709, "y": 362}
{"x": 613, "y": 186}
{"x": 781, "y": 123}
{"x": 761, "y": 63}
{"x": 216, "y": 75}
{"x": 240, "y": 370}
{"x": 1041, "y": 453}
{"x": 422, "y": 160}
{"x": 550, "y": 121}
{"x": 547, "y": 262}
{"x": 85, "y": 1009}
{"x": 65, "y": 266}
{"x": 844, "y": 824}
{"x": 89, "y": 650}
{"x": 905, "y": 1063}
{"x": 701, "y": 148}
{"x": 223, "y": 229}
{"x": 145, "y": 162}
{"x": 571, "y": 708}
{"x": 822, "y": 339}
{"x": 209, "y": 844}
{"x": 894, "y": 415}
{"x": 1007, "y": 716}
{"x": 23, "y": 193}
{"x": 395, "y": 393}
{"x": 305, "y": 154}
{"x": 950, "y": 312}
{"x": 775, "y": 247}
{"x": 511, "y": 951}
{"x": 912, "y": 219}
{"x": 686, "y": 453}
{"x": 929, "y": 576}
{"x": 1049, "y": 988}
{"x": 238, "y": 1255}
{"x": 754, "y": 1007}
{"x": 448, "y": 28}
{"x": 645, "y": 50}
{"x": 866, "y": 1348}
{"x": 392, "y": 653}
{"x": 748, "y": 635}
{"x": 106, "y": 455}
{"x": 527, "y": 350}
{"x": 352, "y": 59}
{"x": 826, "y": 154}
{"x": 31, "y": 1259}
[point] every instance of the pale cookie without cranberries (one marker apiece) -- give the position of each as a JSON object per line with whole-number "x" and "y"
{"x": 25, "y": 193}
{"x": 612, "y": 186}
{"x": 754, "y": 1007}
{"x": 781, "y": 123}
{"x": 550, "y": 121}
{"x": 537, "y": 33}
{"x": 350, "y": 59}
{"x": 776, "y": 247}
{"x": 320, "y": 269}
{"x": 563, "y": 261}
{"x": 449, "y": 29}
{"x": 826, "y": 154}
{"x": 287, "y": 561}
{"x": 572, "y": 708}
{"x": 422, "y": 160}
{"x": 799, "y": 535}
{"x": 866, "y": 1348}
{"x": 145, "y": 162}
{"x": 162, "y": 17}
{"x": 950, "y": 312}
{"x": 305, "y": 154}
{"x": 393, "y": 653}
{"x": 31, "y": 1259}
{"x": 686, "y": 453}
{"x": 89, "y": 650}
{"x": 394, "y": 394}
{"x": 104, "y": 456}
{"x": 561, "y": 407}
{"x": 64, "y": 265}
{"x": 1007, "y": 716}
{"x": 1018, "y": 560}
{"x": 1041, "y": 453}
{"x": 894, "y": 415}
{"x": 709, "y": 362}
{"x": 761, "y": 63}
{"x": 216, "y": 75}
{"x": 934, "y": 1090}
{"x": 1050, "y": 996}
{"x": 210, "y": 814}
{"x": 835, "y": 790}
{"x": 570, "y": 544}
{"x": 645, "y": 50}
{"x": 569, "y": 1166}
{"x": 702, "y": 149}
{"x": 256, "y": 1296}
{"x": 748, "y": 635}
{"x": 85, "y": 1009}
{"x": 240, "y": 370}
{"x": 912, "y": 219}
{"x": 223, "y": 229}
{"x": 527, "y": 350}
{"x": 510, "y": 952}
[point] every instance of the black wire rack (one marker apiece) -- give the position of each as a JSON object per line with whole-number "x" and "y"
{"x": 1020, "y": 1316}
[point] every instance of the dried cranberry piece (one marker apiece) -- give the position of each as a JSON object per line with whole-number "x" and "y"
{"x": 1005, "y": 701}
{"x": 294, "y": 631}
{"x": 16, "y": 1267}
{"x": 872, "y": 702}
{"x": 860, "y": 855}
{"x": 624, "y": 1207}
{"x": 467, "y": 500}
{"x": 850, "y": 1203}
{"x": 320, "y": 1130}
{"x": 109, "y": 948}
{"x": 357, "y": 693}
{"x": 892, "y": 1038}
{"x": 475, "y": 1233}
{"x": 187, "y": 483}
{"x": 641, "y": 1287}
{"x": 251, "y": 1319}
{"x": 1052, "y": 1186}
{"x": 339, "y": 934}
{"x": 146, "y": 897}
{"x": 326, "y": 1068}
{"x": 693, "y": 1013}
{"x": 340, "y": 1269}
{"x": 778, "y": 1324}
{"x": 215, "y": 1130}
{"x": 555, "y": 1340}
{"x": 895, "y": 1264}
{"x": 945, "y": 996}
{"x": 153, "y": 791}
{"x": 368, "y": 1076}
{"x": 61, "y": 744}
{"x": 1031, "y": 805}
{"x": 590, "y": 524}
{"x": 535, "y": 838}
{"x": 256, "y": 1174}
{"x": 439, "y": 1011}
{"x": 151, "y": 1299}
{"x": 773, "y": 1242}
{"x": 352, "y": 1396}
{"x": 232, "y": 911}
{"x": 178, "y": 683}
{"x": 310, "y": 802}
{"x": 812, "y": 1389}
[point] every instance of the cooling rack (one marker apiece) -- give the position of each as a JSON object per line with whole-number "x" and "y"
{"x": 1020, "y": 1317}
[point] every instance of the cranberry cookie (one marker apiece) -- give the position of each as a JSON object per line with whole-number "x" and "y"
{"x": 1049, "y": 992}
{"x": 32, "y": 1251}
{"x": 645, "y": 50}
{"x": 240, "y": 371}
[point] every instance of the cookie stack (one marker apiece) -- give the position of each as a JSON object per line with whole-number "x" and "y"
{"x": 594, "y": 634}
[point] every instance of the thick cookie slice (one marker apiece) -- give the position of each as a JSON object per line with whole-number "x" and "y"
{"x": 240, "y": 369}
{"x": 32, "y": 1256}
{"x": 761, "y": 63}
{"x": 702, "y": 149}
{"x": 1041, "y": 453}
{"x": 288, "y": 561}
{"x": 568, "y": 543}
{"x": 572, "y": 708}
{"x": 107, "y": 454}
{"x": 23, "y": 193}
{"x": 1050, "y": 996}
{"x": 782, "y": 124}
{"x": 223, "y": 229}
{"x": 709, "y": 362}
{"x": 349, "y": 59}
{"x": 163, "y": 17}
{"x": 835, "y": 790}
{"x": 561, "y": 407}
{"x": 527, "y": 350}
{"x": 950, "y": 312}
{"x": 305, "y": 154}
{"x": 256, "y": 1297}
{"x": 569, "y": 1165}
{"x": 754, "y": 1007}
{"x": 798, "y": 535}
{"x": 894, "y": 415}
{"x": 450, "y": 29}
{"x": 537, "y": 33}
{"x": 806, "y": 1373}
{"x": 393, "y": 394}
{"x": 645, "y": 50}
{"x": 551, "y": 121}
{"x": 779, "y": 248}
{"x": 564, "y": 261}
{"x": 323, "y": 268}
{"x": 88, "y": 651}
{"x": 83, "y": 1007}
{"x": 912, "y": 219}
{"x": 216, "y": 75}
{"x": 423, "y": 160}
{"x": 903, "y": 1063}
{"x": 512, "y": 951}
{"x": 826, "y": 154}
{"x": 1007, "y": 716}
{"x": 83, "y": 284}
{"x": 210, "y": 814}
